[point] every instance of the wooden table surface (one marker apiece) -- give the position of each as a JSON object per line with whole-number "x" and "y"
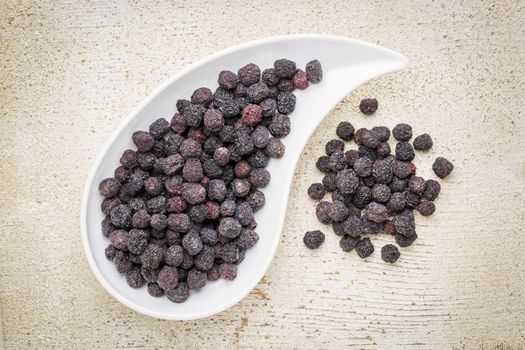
{"x": 70, "y": 72}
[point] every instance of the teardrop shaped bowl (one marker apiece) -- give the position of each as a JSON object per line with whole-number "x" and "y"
{"x": 346, "y": 63}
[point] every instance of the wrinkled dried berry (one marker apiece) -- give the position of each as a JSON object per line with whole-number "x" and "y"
{"x": 134, "y": 278}
{"x": 136, "y": 241}
{"x": 348, "y": 243}
{"x": 390, "y": 253}
{"x": 423, "y": 142}
{"x": 230, "y": 227}
{"x": 337, "y": 161}
{"x": 383, "y": 149}
{"x": 228, "y": 252}
{"x": 416, "y": 184}
{"x": 442, "y": 167}
{"x": 322, "y": 164}
{"x": 381, "y": 193}
{"x": 330, "y": 182}
{"x": 120, "y": 215}
{"x": 154, "y": 290}
{"x": 228, "y": 271}
{"x": 363, "y": 167}
{"x": 280, "y": 125}
{"x": 247, "y": 239}
{"x": 396, "y": 203}
{"x": 193, "y": 193}
{"x": 404, "y": 241}
{"x": 316, "y": 191}
{"x": 275, "y": 148}
{"x": 364, "y": 248}
{"x": 179, "y": 222}
{"x": 368, "y": 106}
{"x": 313, "y": 239}
{"x": 382, "y": 170}
{"x": 347, "y": 181}
{"x": 362, "y": 196}
{"x": 227, "y": 80}
{"x": 432, "y": 189}
{"x": 426, "y": 208}
{"x": 403, "y": 169}
{"x": 338, "y": 211}
{"x": 402, "y": 132}
{"x": 404, "y": 223}
{"x": 334, "y": 145}
{"x": 152, "y": 256}
{"x": 382, "y": 132}
{"x": 376, "y": 212}
{"x": 204, "y": 260}
{"x": 412, "y": 199}
{"x": 168, "y": 278}
{"x": 143, "y": 140}
{"x": 256, "y": 200}
{"x": 314, "y": 72}
{"x": 345, "y": 131}
{"x": 198, "y": 213}
{"x": 249, "y": 74}
{"x": 405, "y": 151}
{"x": 109, "y": 187}
{"x": 192, "y": 243}
{"x": 284, "y": 68}
{"x": 259, "y": 178}
{"x": 286, "y": 85}
{"x": 322, "y": 211}
{"x": 286, "y": 102}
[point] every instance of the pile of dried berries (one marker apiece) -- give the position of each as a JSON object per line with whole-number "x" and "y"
{"x": 372, "y": 190}
{"x": 179, "y": 210}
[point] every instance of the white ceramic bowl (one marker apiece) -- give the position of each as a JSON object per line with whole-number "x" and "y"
{"x": 346, "y": 64}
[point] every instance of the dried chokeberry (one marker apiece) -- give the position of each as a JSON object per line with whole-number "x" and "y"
{"x": 423, "y": 142}
{"x": 364, "y": 248}
{"x": 402, "y": 132}
{"x": 442, "y": 167}
{"x": 313, "y": 239}
{"x": 390, "y": 253}
{"x": 368, "y": 106}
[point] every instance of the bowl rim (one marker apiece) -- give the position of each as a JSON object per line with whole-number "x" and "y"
{"x": 89, "y": 184}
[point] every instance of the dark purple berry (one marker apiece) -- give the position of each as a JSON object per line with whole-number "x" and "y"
{"x": 152, "y": 256}
{"x": 275, "y": 148}
{"x": 338, "y": 211}
{"x": 396, "y": 203}
{"x": 405, "y": 151}
{"x": 143, "y": 140}
{"x": 109, "y": 187}
{"x": 229, "y": 227}
{"x": 423, "y": 142}
{"x": 322, "y": 164}
{"x": 347, "y": 181}
{"x": 364, "y": 248}
{"x": 322, "y": 211}
{"x": 390, "y": 253}
{"x": 432, "y": 189}
{"x": 154, "y": 290}
{"x": 416, "y": 184}
{"x": 404, "y": 241}
{"x": 368, "y": 106}
{"x": 193, "y": 193}
{"x": 363, "y": 167}
{"x": 118, "y": 239}
{"x": 348, "y": 243}
{"x": 168, "y": 278}
{"x": 227, "y": 80}
{"x": 316, "y": 191}
{"x": 129, "y": 159}
{"x": 381, "y": 193}
{"x": 179, "y": 222}
{"x": 330, "y": 182}
{"x": 228, "y": 252}
{"x": 345, "y": 131}
{"x": 260, "y": 137}
{"x": 270, "y": 77}
{"x": 256, "y": 200}
{"x": 204, "y": 260}
{"x": 314, "y": 72}
{"x": 402, "y": 132}
{"x": 412, "y": 199}
{"x": 403, "y": 169}
{"x": 192, "y": 243}
{"x": 280, "y": 125}
{"x": 159, "y": 128}
{"x": 362, "y": 196}
{"x": 179, "y": 123}
{"x": 351, "y": 156}
{"x": 426, "y": 208}
{"x": 405, "y": 224}
{"x": 383, "y": 149}
{"x": 136, "y": 241}
{"x": 337, "y": 161}
{"x": 249, "y": 74}
{"x": 284, "y": 68}
{"x": 334, "y": 145}
{"x": 120, "y": 215}
{"x": 313, "y": 239}
{"x": 156, "y": 205}
{"x": 228, "y": 271}
{"x": 286, "y": 102}
{"x": 382, "y": 132}
{"x": 376, "y": 212}
{"x": 286, "y": 85}
{"x": 134, "y": 278}
{"x": 442, "y": 167}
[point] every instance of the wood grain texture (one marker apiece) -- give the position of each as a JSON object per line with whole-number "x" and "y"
{"x": 70, "y": 71}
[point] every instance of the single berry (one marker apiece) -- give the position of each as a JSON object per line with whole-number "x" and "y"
{"x": 368, "y": 106}
{"x": 313, "y": 239}
{"x": 390, "y": 253}
{"x": 442, "y": 167}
